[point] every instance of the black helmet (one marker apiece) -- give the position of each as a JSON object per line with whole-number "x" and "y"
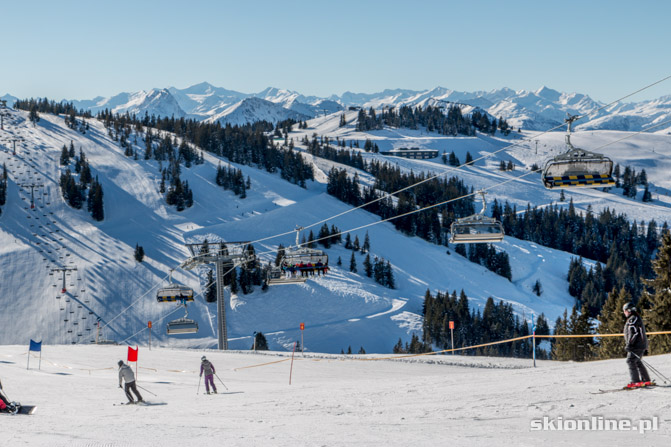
{"x": 203, "y": 358}
{"x": 120, "y": 362}
{"x": 629, "y": 307}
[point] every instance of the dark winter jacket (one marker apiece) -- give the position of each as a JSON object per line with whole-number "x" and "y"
{"x": 634, "y": 334}
{"x": 207, "y": 368}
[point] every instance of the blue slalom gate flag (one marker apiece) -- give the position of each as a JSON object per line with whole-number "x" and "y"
{"x": 35, "y": 345}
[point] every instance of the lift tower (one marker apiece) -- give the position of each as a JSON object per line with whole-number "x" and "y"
{"x": 225, "y": 256}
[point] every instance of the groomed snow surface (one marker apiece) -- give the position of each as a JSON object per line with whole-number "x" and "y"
{"x": 332, "y": 400}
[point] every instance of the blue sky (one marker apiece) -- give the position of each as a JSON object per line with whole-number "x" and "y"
{"x": 81, "y": 49}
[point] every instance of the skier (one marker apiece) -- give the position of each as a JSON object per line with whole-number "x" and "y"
{"x": 208, "y": 368}
{"x": 636, "y": 345}
{"x": 126, "y": 373}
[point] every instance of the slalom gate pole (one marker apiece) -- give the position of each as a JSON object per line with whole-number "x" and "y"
{"x": 145, "y": 389}
{"x": 291, "y": 370}
{"x": 199, "y": 380}
{"x": 222, "y": 382}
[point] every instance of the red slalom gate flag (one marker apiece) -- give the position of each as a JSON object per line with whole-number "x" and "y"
{"x": 132, "y": 354}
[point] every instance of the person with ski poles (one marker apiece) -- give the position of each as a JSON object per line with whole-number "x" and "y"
{"x": 208, "y": 368}
{"x": 636, "y": 345}
{"x": 126, "y": 373}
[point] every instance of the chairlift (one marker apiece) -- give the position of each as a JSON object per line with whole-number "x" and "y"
{"x": 174, "y": 292}
{"x": 181, "y": 294}
{"x": 297, "y": 264}
{"x": 477, "y": 228}
{"x": 182, "y": 326}
{"x": 578, "y": 168}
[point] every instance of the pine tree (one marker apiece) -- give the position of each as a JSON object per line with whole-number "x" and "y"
{"x": 368, "y": 266}
{"x": 560, "y": 349}
{"x": 612, "y": 321}
{"x": 139, "y": 253}
{"x": 365, "y": 248}
{"x": 660, "y": 299}
{"x": 580, "y": 325}
{"x": 352, "y": 263}
{"x": 65, "y": 158}
{"x": 211, "y": 288}
{"x": 260, "y": 342}
{"x": 234, "y": 282}
{"x": 95, "y": 201}
{"x": 389, "y": 276}
{"x": 647, "y": 196}
{"x": 348, "y": 242}
{"x": 537, "y": 288}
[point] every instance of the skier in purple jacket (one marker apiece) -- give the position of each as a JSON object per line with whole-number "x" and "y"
{"x": 208, "y": 368}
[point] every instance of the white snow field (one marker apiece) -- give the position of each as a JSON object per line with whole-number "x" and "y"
{"x": 333, "y": 400}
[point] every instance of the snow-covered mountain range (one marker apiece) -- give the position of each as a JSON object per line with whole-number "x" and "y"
{"x": 541, "y": 109}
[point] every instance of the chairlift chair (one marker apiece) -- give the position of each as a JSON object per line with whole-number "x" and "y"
{"x": 476, "y": 229}
{"x": 292, "y": 259}
{"x": 174, "y": 292}
{"x": 180, "y": 294}
{"x": 182, "y": 326}
{"x": 578, "y": 168}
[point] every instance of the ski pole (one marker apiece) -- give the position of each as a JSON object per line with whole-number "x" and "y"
{"x": 145, "y": 389}
{"x": 222, "y": 382}
{"x": 654, "y": 370}
{"x": 201, "y": 378}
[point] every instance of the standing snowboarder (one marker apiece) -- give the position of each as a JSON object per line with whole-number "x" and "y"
{"x": 208, "y": 368}
{"x": 636, "y": 345}
{"x": 126, "y": 373}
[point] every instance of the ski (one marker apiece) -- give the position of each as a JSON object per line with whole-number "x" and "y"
{"x": 615, "y": 390}
{"x": 144, "y": 403}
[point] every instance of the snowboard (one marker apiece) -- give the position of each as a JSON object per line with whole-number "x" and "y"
{"x": 27, "y": 409}
{"x": 23, "y": 409}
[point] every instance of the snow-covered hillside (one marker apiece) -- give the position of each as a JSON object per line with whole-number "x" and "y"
{"x": 332, "y": 400}
{"x": 341, "y": 310}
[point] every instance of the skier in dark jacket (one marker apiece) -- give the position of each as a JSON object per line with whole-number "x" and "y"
{"x": 208, "y": 368}
{"x": 636, "y": 345}
{"x": 126, "y": 373}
